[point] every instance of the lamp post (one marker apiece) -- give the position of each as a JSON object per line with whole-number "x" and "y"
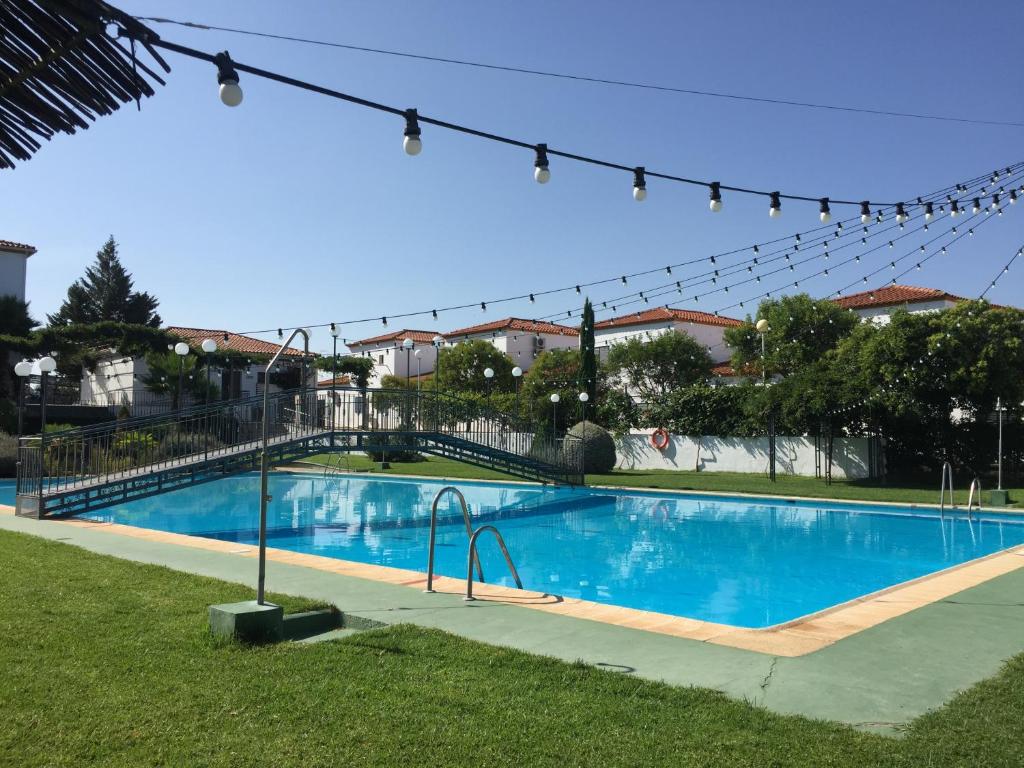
{"x": 407, "y": 345}
{"x": 489, "y": 380}
{"x": 334, "y": 379}
{"x": 180, "y": 349}
{"x": 584, "y": 397}
{"x": 762, "y": 329}
{"x": 46, "y": 366}
{"x": 1000, "y": 410}
{"x": 517, "y": 374}
{"x": 438, "y": 344}
{"x": 554, "y": 415}
{"x": 418, "y": 354}
{"x": 209, "y": 347}
{"x": 23, "y": 371}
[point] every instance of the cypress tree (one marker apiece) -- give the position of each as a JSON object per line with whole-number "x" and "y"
{"x": 588, "y": 360}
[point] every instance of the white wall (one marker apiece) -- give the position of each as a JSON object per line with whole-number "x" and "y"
{"x": 390, "y": 360}
{"x": 880, "y": 315}
{"x": 13, "y": 272}
{"x": 793, "y": 455}
{"x": 705, "y": 335}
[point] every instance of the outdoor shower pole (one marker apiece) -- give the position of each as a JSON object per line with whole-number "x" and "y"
{"x": 334, "y": 381}
{"x": 1000, "y": 409}
{"x": 265, "y": 464}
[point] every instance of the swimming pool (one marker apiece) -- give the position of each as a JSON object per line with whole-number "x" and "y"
{"x": 733, "y": 560}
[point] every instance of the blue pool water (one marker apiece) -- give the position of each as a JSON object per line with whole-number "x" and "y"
{"x": 746, "y": 562}
{"x": 8, "y": 492}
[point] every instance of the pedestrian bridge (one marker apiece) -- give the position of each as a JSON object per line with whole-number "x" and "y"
{"x": 85, "y": 468}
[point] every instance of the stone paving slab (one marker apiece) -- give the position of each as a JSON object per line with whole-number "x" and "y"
{"x": 879, "y": 678}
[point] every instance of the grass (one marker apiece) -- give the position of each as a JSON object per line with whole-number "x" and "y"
{"x": 923, "y": 491}
{"x": 108, "y": 662}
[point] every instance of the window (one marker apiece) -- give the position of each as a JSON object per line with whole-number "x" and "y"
{"x": 380, "y": 359}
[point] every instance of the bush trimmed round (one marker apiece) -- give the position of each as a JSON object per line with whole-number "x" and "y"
{"x": 597, "y": 445}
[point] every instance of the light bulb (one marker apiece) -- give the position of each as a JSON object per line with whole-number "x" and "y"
{"x": 776, "y": 206}
{"x": 716, "y": 197}
{"x": 542, "y": 175}
{"x": 412, "y": 145}
{"x": 230, "y": 93}
{"x": 716, "y": 206}
{"x": 826, "y": 217}
{"x": 639, "y": 184}
{"x": 639, "y": 194}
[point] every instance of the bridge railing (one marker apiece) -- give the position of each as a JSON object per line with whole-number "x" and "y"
{"x": 68, "y": 460}
{"x": 74, "y": 458}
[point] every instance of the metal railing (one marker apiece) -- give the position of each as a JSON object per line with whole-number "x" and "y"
{"x": 975, "y": 486}
{"x": 205, "y": 437}
{"x": 947, "y": 474}
{"x": 473, "y": 556}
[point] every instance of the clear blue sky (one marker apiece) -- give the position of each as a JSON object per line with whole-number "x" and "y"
{"x": 296, "y": 209}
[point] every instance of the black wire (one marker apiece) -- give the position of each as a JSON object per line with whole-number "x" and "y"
{"x": 1002, "y": 271}
{"x": 585, "y": 78}
{"x": 197, "y": 54}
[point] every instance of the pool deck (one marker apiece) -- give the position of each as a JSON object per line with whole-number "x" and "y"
{"x": 879, "y": 677}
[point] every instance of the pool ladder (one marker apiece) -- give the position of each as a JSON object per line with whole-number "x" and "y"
{"x": 474, "y": 536}
{"x": 946, "y": 488}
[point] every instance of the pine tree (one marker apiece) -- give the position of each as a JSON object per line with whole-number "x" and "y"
{"x": 588, "y": 360}
{"x": 105, "y": 293}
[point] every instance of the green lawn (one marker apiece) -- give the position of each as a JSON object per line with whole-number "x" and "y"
{"x": 922, "y": 491}
{"x": 107, "y": 662}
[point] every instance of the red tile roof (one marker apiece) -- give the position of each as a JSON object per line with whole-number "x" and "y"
{"x": 235, "y": 342}
{"x": 10, "y": 245}
{"x": 514, "y": 324}
{"x": 667, "y": 314}
{"x": 894, "y": 294}
{"x": 342, "y": 381}
{"x": 420, "y": 337}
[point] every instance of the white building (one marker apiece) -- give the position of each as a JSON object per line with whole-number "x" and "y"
{"x": 120, "y": 380}
{"x": 390, "y": 358}
{"x": 14, "y": 268}
{"x": 521, "y": 340}
{"x": 708, "y": 330}
{"x": 878, "y": 305}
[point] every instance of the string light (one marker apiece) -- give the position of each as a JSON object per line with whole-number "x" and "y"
{"x": 901, "y": 214}
{"x": 775, "y": 210}
{"x": 412, "y": 143}
{"x": 716, "y": 197}
{"x": 639, "y": 184}
{"x": 227, "y": 78}
{"x": 825, "y": 215}
{"x": 865, "y": 212}
{"x": 541, "y": 172}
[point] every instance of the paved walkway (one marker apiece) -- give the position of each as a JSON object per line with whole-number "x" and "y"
{"x": 879, "y": 678}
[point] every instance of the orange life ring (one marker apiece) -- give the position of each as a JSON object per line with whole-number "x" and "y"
{"x": 660, "y": 438}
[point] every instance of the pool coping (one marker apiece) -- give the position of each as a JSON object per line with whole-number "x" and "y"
{"x": 795, "y": 638}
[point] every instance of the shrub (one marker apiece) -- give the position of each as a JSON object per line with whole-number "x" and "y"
{"x": 8, "y": 455}
{"x": 387, "y": 454}
{"x": 596, "y": 445}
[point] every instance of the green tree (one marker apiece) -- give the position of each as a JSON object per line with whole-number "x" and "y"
{"x": 801, "y": 330}
{"x": 554, "y": 371}
{"x": 15, "y": 320}
{"x": 588, "y": 360}
{"x": 461, "y": 368}
{"x": 357, "y": 367}
{"x": 162, "y": 376}
{"x": 106, "y": 293}
{"x": 656, "y": 367}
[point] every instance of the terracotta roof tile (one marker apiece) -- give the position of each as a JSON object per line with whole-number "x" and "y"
{"x": 10, "y": 245}
{"x": 420, "y": 337}
{"x": 514, "y": 324}
{"x": 667, "y": 314}
{"x": 235, "y": 342}
{"x": 894, "y": 294}
{"x": 342, "y": 381}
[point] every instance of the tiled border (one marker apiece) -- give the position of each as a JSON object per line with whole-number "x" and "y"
{"x": 796, "y": 638}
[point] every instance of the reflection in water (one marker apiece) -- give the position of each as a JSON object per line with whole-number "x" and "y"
{"x": 724, "y": 560}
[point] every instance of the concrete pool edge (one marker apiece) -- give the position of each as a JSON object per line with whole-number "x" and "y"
{"x": 795, "y": 638}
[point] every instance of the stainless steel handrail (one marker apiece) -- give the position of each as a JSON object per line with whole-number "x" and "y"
{"x": 473, "y": 555}
{"x": 433, "y": 534}
{"x": 975, "y": 485}
{"x": 947, "y": 471}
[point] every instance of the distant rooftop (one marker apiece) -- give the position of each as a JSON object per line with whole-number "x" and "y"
{"x": 419, "y": 337}
{"x": 513, "y": 324}
{"x": 893, "y": 295}
{"x": 10, "y": 245}
{"x": 235, "y": 342}
{"x": 667, "y": 314}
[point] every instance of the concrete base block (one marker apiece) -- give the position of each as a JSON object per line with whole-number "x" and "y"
{"x": 998, "y": 498}
{"x": 300, "y": 625}
{"x": 248, "y": 621}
